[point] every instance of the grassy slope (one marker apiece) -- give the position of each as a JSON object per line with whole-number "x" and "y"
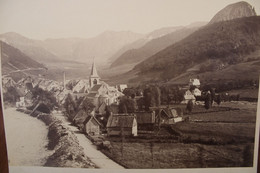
{"x": 16, "y": 58}
{"x": 226, "y": 140}
{"x": 150, "y": 48}
{"x": 227, "y": 42}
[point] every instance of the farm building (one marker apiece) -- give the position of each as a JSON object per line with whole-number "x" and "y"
{"x": 122, "y": 124}
{"x": 169, "y": 116}
{"x": 91, "y": 126}
{"x": 145, "y": 120}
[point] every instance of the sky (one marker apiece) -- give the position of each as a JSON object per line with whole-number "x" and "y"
{"x": 42, "y": 19}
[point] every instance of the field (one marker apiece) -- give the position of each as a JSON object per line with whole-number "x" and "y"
{"x": 219, "y": 137}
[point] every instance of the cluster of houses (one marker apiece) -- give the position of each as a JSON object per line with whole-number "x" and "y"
{"x": 192, "y": 91}
{"x": 102, "y": 95}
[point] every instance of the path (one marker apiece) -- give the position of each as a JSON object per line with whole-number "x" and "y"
{"x": 97, "y": 157}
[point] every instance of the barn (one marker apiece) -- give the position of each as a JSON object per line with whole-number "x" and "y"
{"x": 122, "y": 124}
{"x": 169, "y": 116}
{"x": 145, "y": 120}
{"x": 92, "y": 126}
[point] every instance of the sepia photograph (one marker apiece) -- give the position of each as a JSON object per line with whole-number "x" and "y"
{"x": 170, "y": 85}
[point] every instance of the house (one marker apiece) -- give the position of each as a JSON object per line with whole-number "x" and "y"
{"x": 28, "y": 98}
{"x": 102, "y": 93}
{"x": 122, "y": 124}
{"x": 8, "y": 82}
{"x": 196, "y": 92}
{"x": 25, "y": 97}
{"x": 121, "y": 87}
{"x": 81, "y": 87}
{"x": 80, "y": 118}
{"x": 20, "y": 103}
{"x": 188, "y": 95}
{"x": 170, "y": 115}
{"x": 145, "y": 120}
{"x": 91, "y": 126}
{"x": 194, "y": 82}
{"x": 102, "y": 109}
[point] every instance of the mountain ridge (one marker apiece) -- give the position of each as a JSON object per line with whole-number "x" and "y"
{"x": 233, "y": 11}
{"x": 225, "y": 42}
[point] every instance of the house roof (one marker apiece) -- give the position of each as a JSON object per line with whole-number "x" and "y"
{"x": 120, "y": 121}
{"x": 96, "y": 87}
{"x": 80, "y": 117}
{"x": 92, "y": 95}
{"x": 102, "y": 106}
{"x": 89, "y": 118}
{"x": 145, "y": 117}
{"x": 170, "y": 113}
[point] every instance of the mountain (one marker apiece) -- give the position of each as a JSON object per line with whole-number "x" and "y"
{"x": 233, "y": 11}
{"x": 30, "y": 47}
{"x": 62, "y": 47}
{"x": 212, "y": 49}
{"x": 16, "y": 64}
{"x": 143, "y": 40}
{"x": 134, "y": 56}
{"x": 103, "y": 46}
{"x": 72, "y": 49}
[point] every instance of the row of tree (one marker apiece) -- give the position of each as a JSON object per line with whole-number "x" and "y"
{"x": 72, "y": 106}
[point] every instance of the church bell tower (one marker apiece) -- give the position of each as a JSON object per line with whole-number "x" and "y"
{"x": 94, "y": 79}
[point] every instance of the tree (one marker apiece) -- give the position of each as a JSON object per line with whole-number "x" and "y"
{"x": 212, "y": 92}
{"x": 11, "y": 95}
{"x": 70, "y": 106}
{"x": 127, "y": 105}
{"x": 178, "y": 95}
{"x": 43, "y": 96}
{"x": 190, "y": 106}
{"x": 129, "y": 92}
{"x": 87, "y": 105}
{"x": 208, "y": 101}
{"x": 157, "y": 95}
{"x": 218, "y": 99}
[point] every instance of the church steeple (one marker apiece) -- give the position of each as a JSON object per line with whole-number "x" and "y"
{"x": 93, "y": 70}
{"x": 94, "y": 79}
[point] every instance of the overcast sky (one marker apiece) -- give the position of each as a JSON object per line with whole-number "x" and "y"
{"x": 41, "y": 19}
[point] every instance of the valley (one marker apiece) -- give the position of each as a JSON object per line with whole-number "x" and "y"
{"x": 182, "y": 96}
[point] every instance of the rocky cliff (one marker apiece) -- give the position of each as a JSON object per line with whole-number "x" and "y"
{"x": 233, "y": 11}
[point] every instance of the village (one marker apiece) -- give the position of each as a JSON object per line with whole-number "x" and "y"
{"x": 94, "y": 106}
{"x": 113, "y": 117}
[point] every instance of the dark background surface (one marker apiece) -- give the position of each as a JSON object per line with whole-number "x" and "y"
{"x": 3, "y": 150}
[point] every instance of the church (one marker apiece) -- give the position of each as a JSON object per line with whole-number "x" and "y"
{"x": 100, "y": 92}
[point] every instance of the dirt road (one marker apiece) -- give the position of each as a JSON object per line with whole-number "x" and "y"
{"x": 97, "y": 157}
{"x": 26, "y": 139}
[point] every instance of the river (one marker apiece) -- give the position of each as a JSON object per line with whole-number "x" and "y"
{"x": 26, "y": 139}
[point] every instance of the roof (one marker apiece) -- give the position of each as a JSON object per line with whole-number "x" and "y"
{"x": 80, "y": 117}
{"x": 120, "y": 121}
{"x": 145, "y": 117}
{"x": 92, "y": 95}
{"x": 96, "y": 87}
{"x": 89, "y": 118}
{"x": 170, "y": 113}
